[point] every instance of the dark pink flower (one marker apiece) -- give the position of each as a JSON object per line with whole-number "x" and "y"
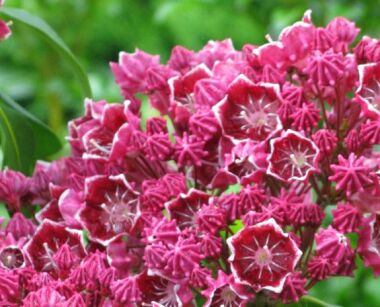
{"x": 369, "y": 243}
{"x": 131, "y": 71}
{"x": 249, "y": 111}
{"x": 47, "y": 240}
{"x": 210, "y": 218}
{"x": 325, "y": 69}
{"x": 182, "y": 258}
{"x": 224, "y": 291}
{"x": 306, "y": 117}
{"x": 162, "y": 291}
{"x": 45, "y": 296}
{"x": 13, "y": 187}
{"x": 343, "y": 33}
{"x": 126, "y": 290}
{"x": 9, "y": 286}
{"x": 370, "y": 132}
{"x": 111, "y": 207}
{"x": 368, "y": 92}
{"x": 351, "y": 175}
{"x": 321, "y": 268}
{"x": 189, "y": 150}
{"x": 305, "y": 214}
{"x": 262, "y": 256}
{"x": 12, "y": 257}
{"x": 333, "y": 245}
{"x": 346, "y": 218}
{"x": 185, "y": 207}
{"x": 19, "y": 226}
{"x": 294, "y": 288}
{"x": 292, "y": 157}
{"x": 326, "y": 141}
{"x": 75, "y": 301}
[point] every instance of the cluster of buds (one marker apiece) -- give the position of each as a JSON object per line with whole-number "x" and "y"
{"x": 221, "y": 198}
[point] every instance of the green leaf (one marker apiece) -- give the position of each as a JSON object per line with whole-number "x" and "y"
{"x": 24, "y": 138}
{"x": 52, "y": 37}
{"x": 17, "y": 142}
{"x": 48, "y": 142}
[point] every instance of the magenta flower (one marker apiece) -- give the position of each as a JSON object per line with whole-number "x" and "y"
{"x": 369, "y": 89}
{"x": 351, "y": 175}
{"x": 292, "y": 157}
{"x": 47, "y": 241}
{"x": 369, "y": 244}
{"x": 224, "y": 291}
{"x": 249, "y": 111}
{"x": 111, "y": 207}
{"x": 263, "y": 255}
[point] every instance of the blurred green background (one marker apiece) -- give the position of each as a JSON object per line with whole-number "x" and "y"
{"x": 96, "y": 30}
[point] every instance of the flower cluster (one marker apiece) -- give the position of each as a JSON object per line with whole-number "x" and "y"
{"x": 221, "y": 198}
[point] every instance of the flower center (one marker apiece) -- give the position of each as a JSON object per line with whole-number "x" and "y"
{"x": 263, "y": 256}
{"x": 228, "y": 296}
{"x": 298, "y": 159}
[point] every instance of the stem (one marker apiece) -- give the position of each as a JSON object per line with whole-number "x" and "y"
{"x": 323, "y": 107}
{"x": 316, "y": 301}
{"x": 339, "y": 106}
{"x": 314, "y": 184}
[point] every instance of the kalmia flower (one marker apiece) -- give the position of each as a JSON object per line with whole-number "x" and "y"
{"x": 294, "y": 288}
{"x": 249, "y": 110}
{"x": 292, "y": 157}
{"x": 224, "y": 291}
{"x": 326, "y": 141}
{"x": 321, "y": 268}
{"x": 351, "y": 175}
{"x": 347, "y": 218}
{"x": 263, "y": 255}
{"x": 369, "y": 244}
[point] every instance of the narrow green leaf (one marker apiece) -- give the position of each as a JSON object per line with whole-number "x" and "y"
{"x": 316, "y": 301}
{"x": 48, "y": 142}
{"x": 52, "y": 37}
{"x": 17, "y": 141}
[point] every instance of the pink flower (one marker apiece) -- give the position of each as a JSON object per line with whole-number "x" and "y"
{"x": 347, "y": 218}
{"x": 351, "y": 175}
{"x": 294, "y": 288}
{"x": 262, "y": 256}
{"x": 325, "y": 69}
{"x": 321, "y": 268}
{"x": 369, "y": 243}
{"x": 249, "y": 111}
{"x": 185, "y": 207}
{"x": 224, "y": 291}
{"x": 162, "y": 291}
{"x": 333, "y": 245}
{"x": 126, "y": 290}
{"x": 13, "y": 187}
{"x": 292, "y": 157}
{"x": 47, "y": 240}
{"x": 343, "y": 32}
{"x": 131, "y": 71}
{"x": 305, "y": 118}
{"x": 111, "y": 207}
{"x": 326, "y": 141}
{"x": 368, "y": 92}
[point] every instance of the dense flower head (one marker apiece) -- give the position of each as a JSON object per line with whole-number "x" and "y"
{"x": 222, "y": 196}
